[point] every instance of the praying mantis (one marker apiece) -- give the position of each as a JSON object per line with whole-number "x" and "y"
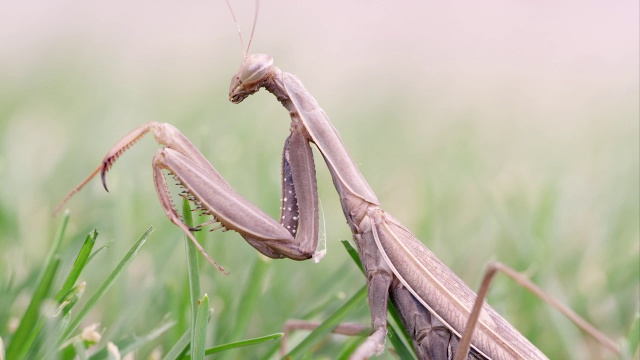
{"x": 433, "y": 302}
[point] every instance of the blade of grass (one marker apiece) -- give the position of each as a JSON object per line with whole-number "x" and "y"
{"x": 237, "y": 344}
{"x": 91, "y": 303}
{"x": 193, "y": 270}
{"x": 633, "y": 340}
{"x": 350, "y": 346}
{"x": 105, "y": 246}
{"x": 133, "y": 343}
{"x": 33, "y": 340}
{"x": 249, "y": 297}
{"x": 202, "y": 320}
{"x": 78, "y": 265}
{"x": 356, "y": 301}
{"x": 66, "y": 299}
{"x": 24, "y": 335}
{"x": 243, "y": 343}
{"x": 80, "y": 350}
{"x": 66, "y": 353}
{"x": 353, "y": 253}
{"x": 192, "y": 258}
{"x": 46, "y": 335}
{"x": 400, "y": 341}
{"x": 180, "y": 348}
{"x": 70, "y": 299}
{"x": 329, "y": 302}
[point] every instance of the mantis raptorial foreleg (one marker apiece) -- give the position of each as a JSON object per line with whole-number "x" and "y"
{"x": 294, "y": 237}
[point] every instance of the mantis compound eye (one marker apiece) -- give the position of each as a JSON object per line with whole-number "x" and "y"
{"x": 253, "y": 71}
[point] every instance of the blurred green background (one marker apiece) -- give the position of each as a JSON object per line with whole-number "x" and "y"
{"x": 494, "y": 131}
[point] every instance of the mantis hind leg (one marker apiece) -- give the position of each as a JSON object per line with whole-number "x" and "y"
{"x": 495, "y": 267}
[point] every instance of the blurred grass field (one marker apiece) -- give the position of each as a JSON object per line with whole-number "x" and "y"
{"x": 508, "y": 135}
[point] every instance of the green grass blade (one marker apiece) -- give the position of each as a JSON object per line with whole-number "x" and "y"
{"x": 54, "y": 324}
{"x": 33, "y": 339}
{"x": 98, "y": 250}
{"x": 192, "y": 258}
{"x": 80, "y": 350}
{"x": 400, "y": 341}
{"x": 330, "y": 323}
{"x": 329, "y": 302}
{"x": 68, "y": 352}
{"x": 24, "y": 335}
{"x": 180, "y": 348}
{"x": 397, "y": 335}
{"x": 133, "y": 343}
{"x": 249, "y": 297}
{"x": 633, "y": 340}
{"x": 67, "y": 298}
{"x": 353, "y": 253}
{"x": 350, "y": 346}
{"x": 193, "y": 270}
{"x": 91, "y": 303}
{"x": 243, "y": 343}
{"x": 70, "y": 299}
{"x": 236, "y": 344}
{"x": 78, "y": 265}
{"x": 200, "y": 336}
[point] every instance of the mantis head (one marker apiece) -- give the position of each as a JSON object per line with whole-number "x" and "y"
{"x": 255, "y": 69}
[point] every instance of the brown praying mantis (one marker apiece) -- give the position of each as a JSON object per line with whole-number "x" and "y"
{"x": 434, "y": 303}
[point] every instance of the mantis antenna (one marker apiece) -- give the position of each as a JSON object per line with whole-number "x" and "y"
{"x": 245, "y": 53}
